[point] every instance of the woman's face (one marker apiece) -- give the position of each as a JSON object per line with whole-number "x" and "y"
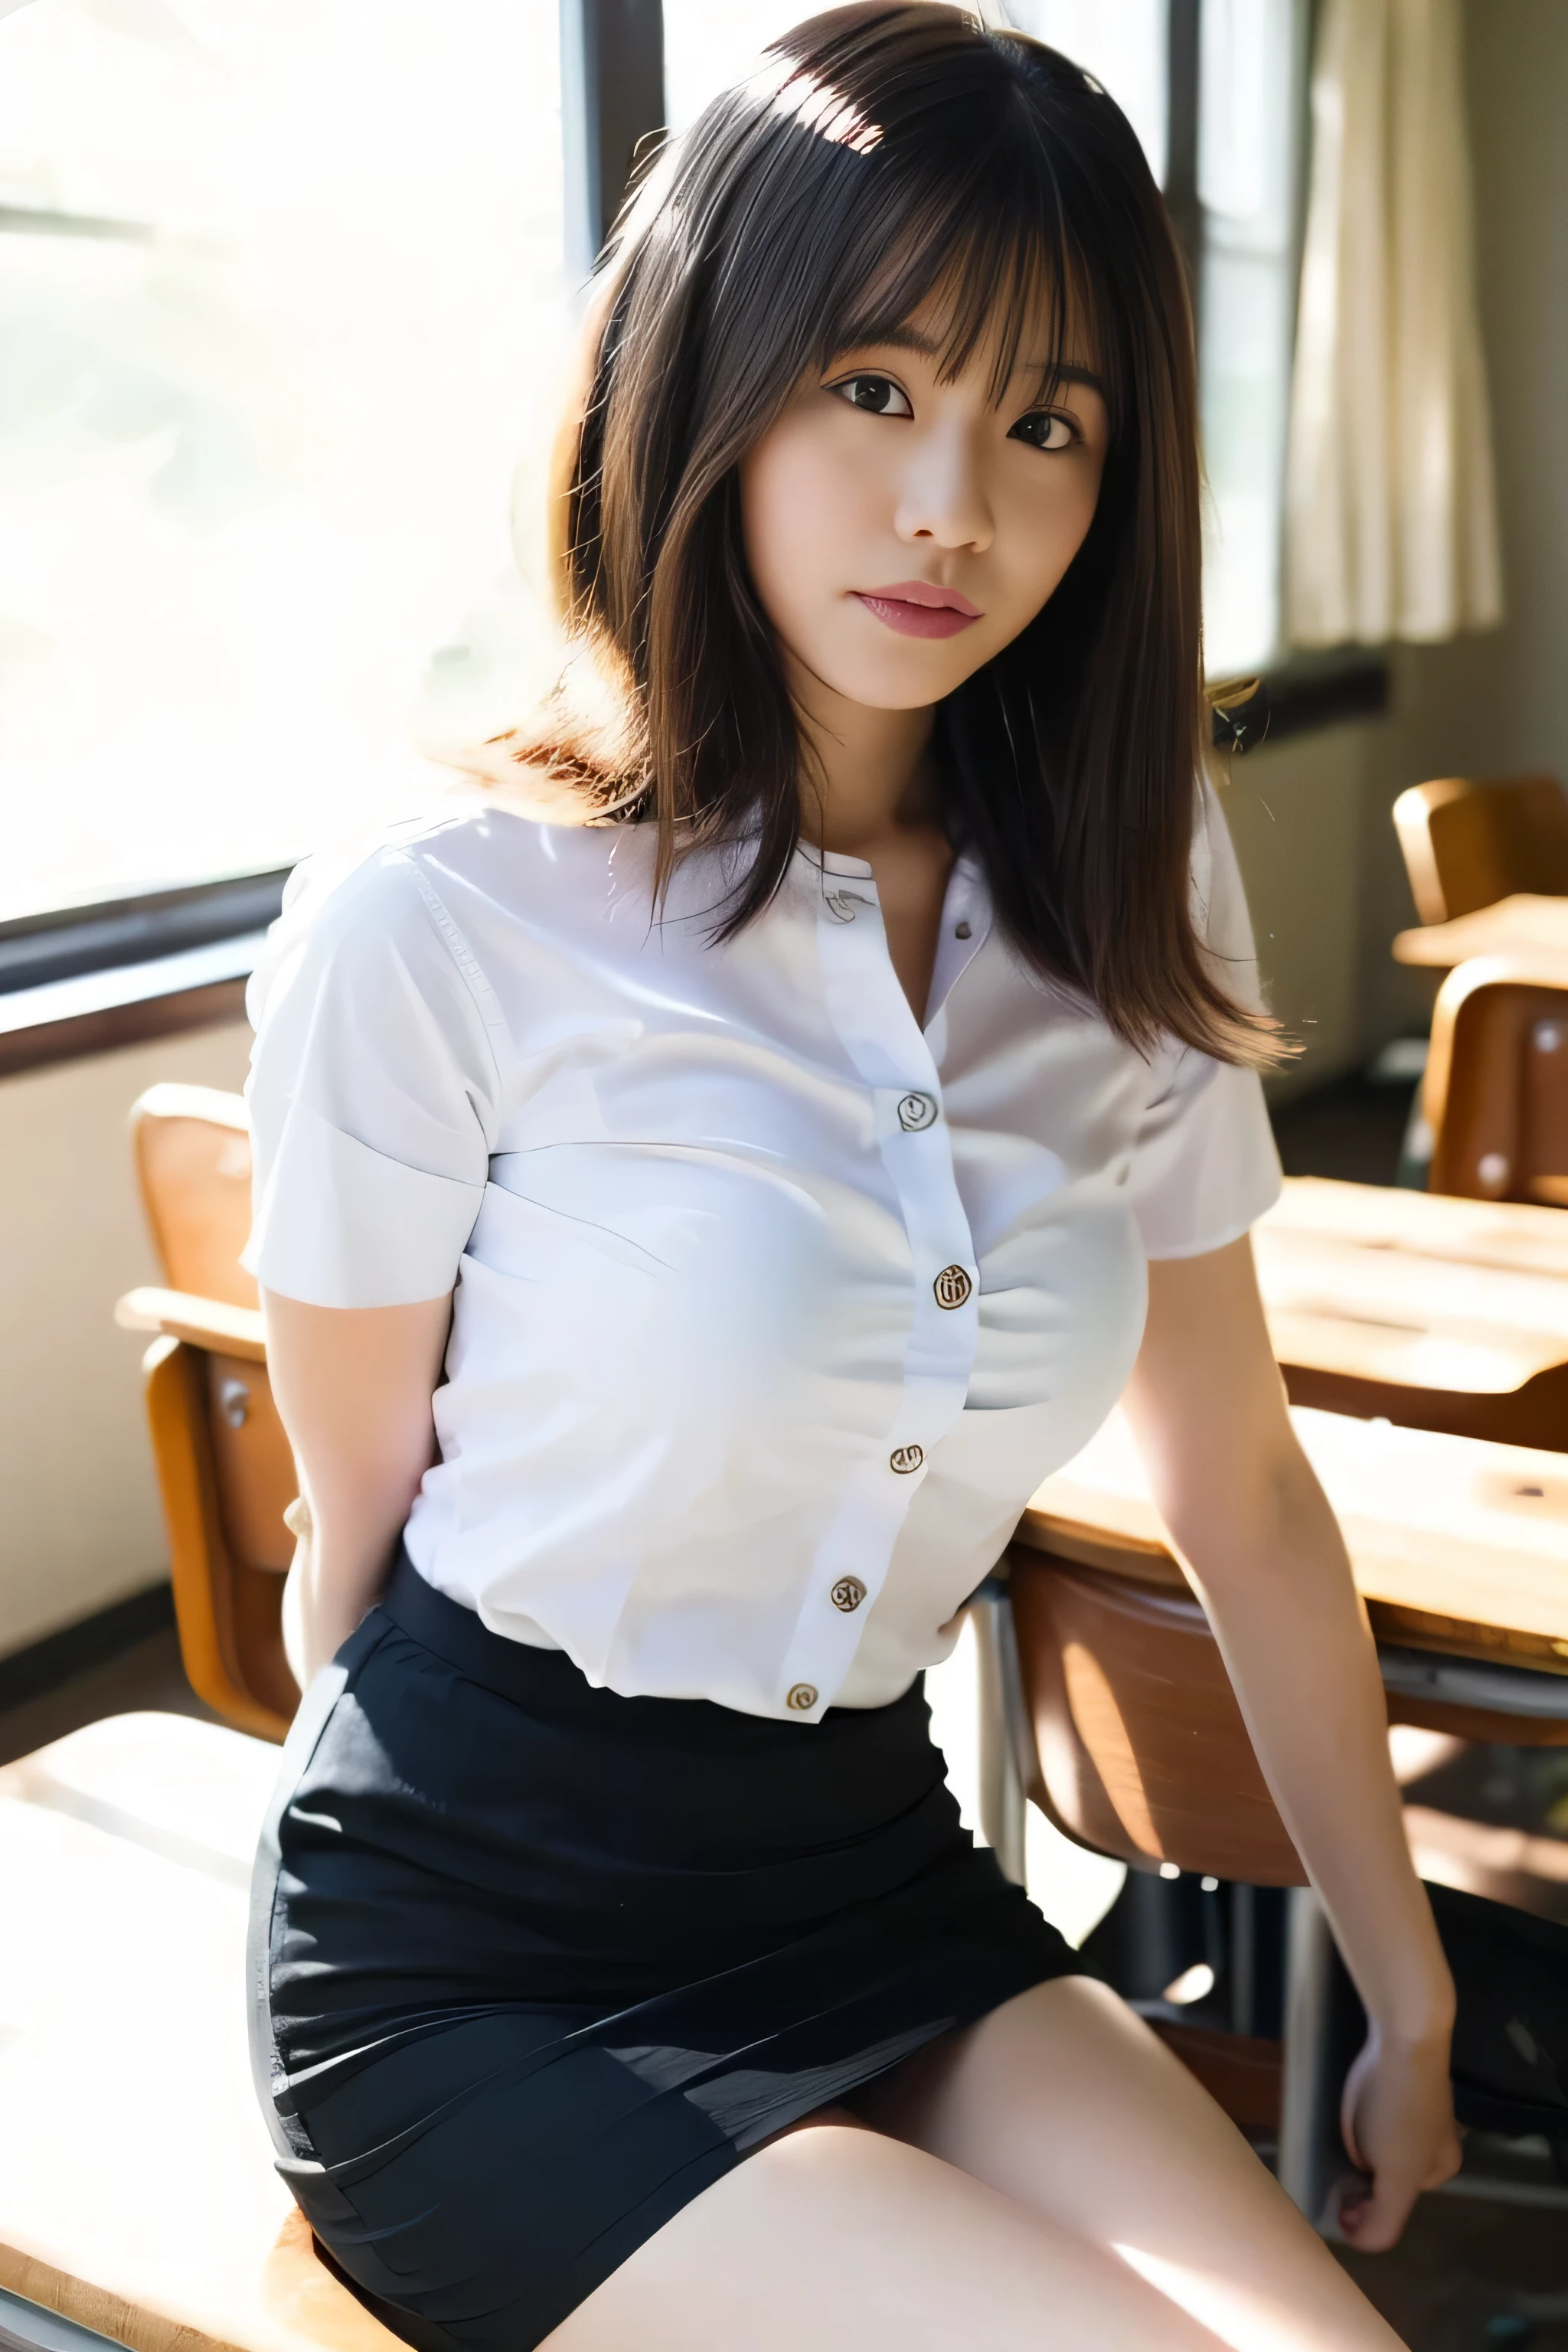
{"x": 902, "y": 530}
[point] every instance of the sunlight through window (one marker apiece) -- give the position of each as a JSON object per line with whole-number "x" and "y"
{"x": 282, "y": 306}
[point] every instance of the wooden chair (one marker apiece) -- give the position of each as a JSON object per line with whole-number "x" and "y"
{"x": 125, "y": 1853}
{"x": 1121, "y": 1725}
{"x": 1496, "y": 1089}
{"x": 1434, "y": 1312}
{"x": 1469, "y": 843}
{"x": 225, "y": 1472}
{"x": 1138, "y": 1748}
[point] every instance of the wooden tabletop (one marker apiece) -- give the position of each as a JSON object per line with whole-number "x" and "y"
{"x": 1522, "y": 925}
{"x": 137, "y": 2193}
{"x": 1457, "y": 1546}
{"x": 1413, "y": 1288}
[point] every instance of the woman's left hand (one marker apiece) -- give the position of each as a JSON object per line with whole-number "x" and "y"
{"x": 1397, "y": 2118}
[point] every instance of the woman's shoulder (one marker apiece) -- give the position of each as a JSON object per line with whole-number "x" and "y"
{"x": 476, "y": 846}
{"x": 447, "y": 886}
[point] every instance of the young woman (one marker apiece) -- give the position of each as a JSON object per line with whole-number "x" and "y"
{"x": 689, "y": 1235}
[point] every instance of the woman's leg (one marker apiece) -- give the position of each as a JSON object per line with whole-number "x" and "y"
{"x": 1065, "y": 2101}
{"x": 839, "y": 2239}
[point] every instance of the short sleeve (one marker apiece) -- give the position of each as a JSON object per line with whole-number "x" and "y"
{"x": 1205, "y": 1167}
{"x": 373, "y": 1091}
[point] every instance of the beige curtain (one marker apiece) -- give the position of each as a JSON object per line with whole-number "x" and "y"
{"x": 1390, "y": 504}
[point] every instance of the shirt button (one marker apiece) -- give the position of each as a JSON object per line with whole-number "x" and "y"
{"x": 802, "y": 1698}
{"x": 962, "y": 930}
{"x": 951, "y": 1286}
{"x": 846, "y": 1595}
{"x": 916, "y": 1111}
{"x": 905, "y": 1458}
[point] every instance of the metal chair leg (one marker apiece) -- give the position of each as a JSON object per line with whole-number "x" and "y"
{"x": 1324, "y": 2022}
{"x": 1002, "y": 1799}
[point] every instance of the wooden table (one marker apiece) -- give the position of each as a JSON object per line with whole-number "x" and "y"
{"x": 137, "y": 2193}
{"x": 1436, "y": 1312}
{"x": 1522, "y": 925}
{"x": 1504, "y": 1236}
{"x": 1457, "y": 1546}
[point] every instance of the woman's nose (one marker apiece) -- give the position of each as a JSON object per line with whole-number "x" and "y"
{"x": 942, "y": 496}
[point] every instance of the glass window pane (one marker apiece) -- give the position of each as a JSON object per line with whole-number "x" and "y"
{"x": 281, "y": 292}
{"x": 1250, "y": 54}
{"x": 710, "y": 43}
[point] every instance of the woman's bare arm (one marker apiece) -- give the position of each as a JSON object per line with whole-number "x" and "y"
{"x": 354, "y": 1387}
{"x": 1264, "y": 1552}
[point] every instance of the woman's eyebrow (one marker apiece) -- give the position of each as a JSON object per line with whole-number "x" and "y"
{"x": 1053, "y": 375}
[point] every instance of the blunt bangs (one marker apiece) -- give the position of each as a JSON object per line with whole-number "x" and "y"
{"x": 895, "y": 170}
{"x": 960, "y": 225}
{"x": 944, "y": 200}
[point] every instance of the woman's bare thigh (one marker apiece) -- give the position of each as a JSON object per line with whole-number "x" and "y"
{"x": 840, "y": 2239}
{"x": 1064, "y": 2101}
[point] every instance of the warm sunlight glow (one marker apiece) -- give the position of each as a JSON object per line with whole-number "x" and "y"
{"x": 1195, "y": 1983}
{"x": 1098, "y": 1718}
{"x": 263, "y": 415}
{"x": 818, "y": 106}
{"x": 1248, "y": 2321}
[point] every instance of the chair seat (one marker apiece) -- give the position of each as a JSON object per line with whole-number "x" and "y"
{"x": 137, "y": 2193}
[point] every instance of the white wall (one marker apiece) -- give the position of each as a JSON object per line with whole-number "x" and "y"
{"x": 81, "y": 1525}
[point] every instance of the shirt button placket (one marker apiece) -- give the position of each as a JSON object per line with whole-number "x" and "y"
{"x": 899, "y": 1065}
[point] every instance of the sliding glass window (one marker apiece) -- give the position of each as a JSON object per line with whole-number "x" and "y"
{"x": 282, "y": 301}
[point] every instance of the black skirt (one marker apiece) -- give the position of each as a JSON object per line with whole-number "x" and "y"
{"x": 531, "y": 1963}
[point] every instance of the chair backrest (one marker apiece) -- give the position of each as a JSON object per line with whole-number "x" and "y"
{"x": 225, "y": 1465}
{"x": 1496, "y": 1090}
{"x": 1140, "y": 1750}
{"x": 1468, "y": 841}
{"x": 193, "y": 1157}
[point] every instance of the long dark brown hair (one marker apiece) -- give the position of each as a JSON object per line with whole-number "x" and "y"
{"x": 891, "y": 156}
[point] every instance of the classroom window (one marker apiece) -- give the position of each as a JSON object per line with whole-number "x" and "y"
{"x": 282, "y": 293}
{"x": 1249, "y": 62}
{"x": 284, "y": 301}
{"x": 1251, "y": 99}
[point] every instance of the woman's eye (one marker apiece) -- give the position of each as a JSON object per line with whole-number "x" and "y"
{"x": 1045, "y": 428}
{"x": 878, "y": 394}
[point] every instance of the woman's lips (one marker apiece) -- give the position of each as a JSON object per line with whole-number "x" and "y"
{"x": 915, "y": 609}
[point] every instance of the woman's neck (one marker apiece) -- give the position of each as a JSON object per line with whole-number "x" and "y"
{"x": 870, "y": 774}
{"x": 871, "y": 789}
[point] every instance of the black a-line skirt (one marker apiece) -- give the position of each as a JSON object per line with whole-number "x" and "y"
{"x": 532, "y": 1964}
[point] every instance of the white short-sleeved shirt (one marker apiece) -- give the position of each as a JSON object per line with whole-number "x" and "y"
{"x": 771, "y": 1309}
